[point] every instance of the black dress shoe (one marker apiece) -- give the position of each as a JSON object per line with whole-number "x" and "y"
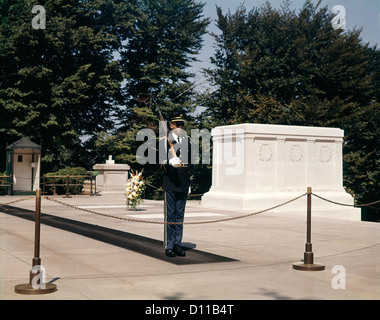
{"x": 179, "y": 252}
{"x": 169, "y": 253}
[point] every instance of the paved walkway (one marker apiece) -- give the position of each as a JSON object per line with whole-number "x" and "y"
{"x": 249, "y": 258}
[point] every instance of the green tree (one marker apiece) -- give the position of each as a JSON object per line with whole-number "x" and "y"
{"x": 277, "y": 66}
{"x": 166, "y": 37}
{"x": 60, "y": 83}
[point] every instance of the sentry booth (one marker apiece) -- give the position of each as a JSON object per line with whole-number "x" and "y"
{"x": 23, "y": 162}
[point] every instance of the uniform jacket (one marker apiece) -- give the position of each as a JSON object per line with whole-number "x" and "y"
{"x": 178, "y": 179}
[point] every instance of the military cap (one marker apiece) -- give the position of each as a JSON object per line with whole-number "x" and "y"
{"x": 179, "y": 121}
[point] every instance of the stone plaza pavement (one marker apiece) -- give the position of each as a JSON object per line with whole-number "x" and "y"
{"x": 89, "y": 256}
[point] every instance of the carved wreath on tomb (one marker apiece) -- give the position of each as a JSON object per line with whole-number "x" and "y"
{"x": 295, "y": 152}
{"x": 265, "y": 152}
{"x": 324, "y": 154}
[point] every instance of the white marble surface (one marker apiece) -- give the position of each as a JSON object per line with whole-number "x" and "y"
{"x": 256, "y": 166}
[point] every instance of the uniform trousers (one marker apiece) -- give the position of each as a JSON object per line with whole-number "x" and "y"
{"x": 175, "y": 212}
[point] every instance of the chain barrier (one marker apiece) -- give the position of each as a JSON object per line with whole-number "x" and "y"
{"x": 348, "y": 205}
{"x": 187, "y": 223}
{"x": 15, "y": 201}
{"x": 174, "y": 223}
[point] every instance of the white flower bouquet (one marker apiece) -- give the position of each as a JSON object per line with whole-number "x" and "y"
{"x": 134, "y": 190}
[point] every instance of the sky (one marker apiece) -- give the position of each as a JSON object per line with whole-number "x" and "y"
{"x": 363, "y": 14}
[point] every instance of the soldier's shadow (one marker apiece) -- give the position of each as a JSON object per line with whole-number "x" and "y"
{"x": 188, "y": 246}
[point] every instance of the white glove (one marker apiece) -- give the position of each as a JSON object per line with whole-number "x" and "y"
{"x": 175, "y": 162}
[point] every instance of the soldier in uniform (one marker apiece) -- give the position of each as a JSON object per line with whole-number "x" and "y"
{"x": 176, "y": 182}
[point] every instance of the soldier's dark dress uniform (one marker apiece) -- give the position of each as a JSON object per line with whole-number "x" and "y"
{"x": 176, "y": 182}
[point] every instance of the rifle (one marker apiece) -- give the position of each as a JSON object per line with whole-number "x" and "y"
{"x": 163, "y": 122}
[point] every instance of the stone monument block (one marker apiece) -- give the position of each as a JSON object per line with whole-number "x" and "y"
{"x": 112, "y": 177}
{"x": 257, "y": 166}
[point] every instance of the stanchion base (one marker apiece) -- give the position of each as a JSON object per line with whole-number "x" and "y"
{"x": 308, "y": 267}
{"x": 27, "y": 288}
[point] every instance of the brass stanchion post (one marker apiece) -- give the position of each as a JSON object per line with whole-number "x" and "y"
{"x": 308, "y": 262}
{"x": 36, "y": 284}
